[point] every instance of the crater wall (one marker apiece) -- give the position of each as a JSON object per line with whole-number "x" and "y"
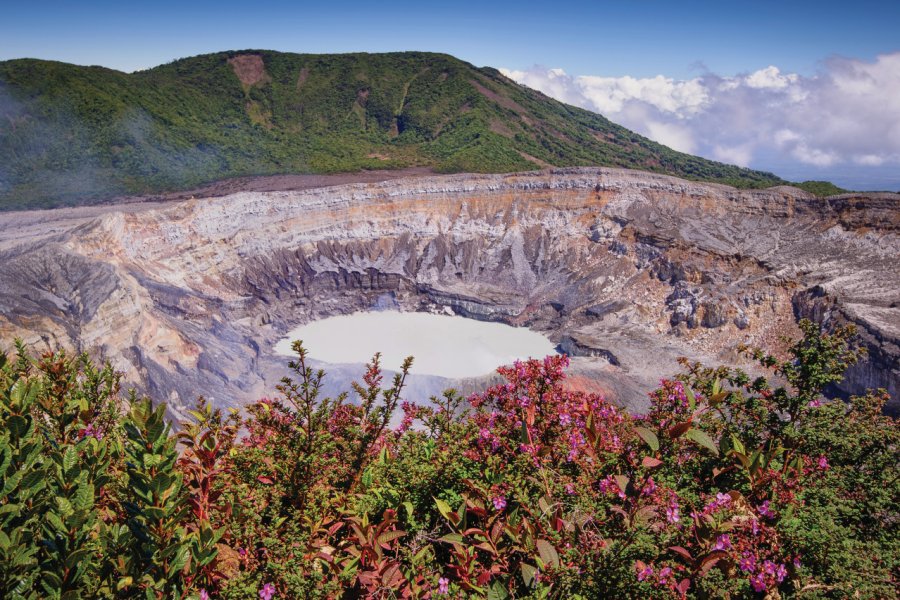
{"x": 625, "y": 270}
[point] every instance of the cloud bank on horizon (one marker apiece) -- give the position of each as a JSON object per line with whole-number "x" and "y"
{"x": 841, "y": 124}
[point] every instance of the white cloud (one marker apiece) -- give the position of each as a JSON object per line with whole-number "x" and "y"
{"x": 782, "y": 137}
{"x": 736, "y": 155}
{"x": 672, "y": 135}
{"x": 814, "y": 156}
{"x": 771, "y": 78}
{"x": 848, "y": 114}
{"x": 870, "y": 160}
{"x": 609, "y": 94}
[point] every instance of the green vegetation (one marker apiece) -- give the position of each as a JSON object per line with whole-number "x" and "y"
{"x": 71, "y": 134}
{"x": 822, "y": 189}
{"x": 727, "y": 488}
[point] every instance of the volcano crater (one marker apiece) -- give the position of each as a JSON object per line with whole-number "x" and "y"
{"x": 625, "y": 271}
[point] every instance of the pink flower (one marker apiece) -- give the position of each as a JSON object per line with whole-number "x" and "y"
{"x": 204, "y": 595}
{"x": 780, "y": 573}
{"x": 723, "y": 542}
{"x": 267, "y": 592}
{"x": 758, "y": 582}
{"x": 91, "y": 431}
{"x": 645, "y": 573}
{"x": 609, "y": 485}
{"x": 815, "y": 403}
{"x": 721, "y": 501}
{"x": 664, "y": 575}
{"x": 823, "y": 463}
{"x": 410, "y": 414}
{"x": 499, "y": 503}
{"x": 748, "y": 563}
{"x": 443, "y": 585}
{"x": 672, "y": 513}
{"x": 765, "y": 511}
{"x": 570, "y": 489}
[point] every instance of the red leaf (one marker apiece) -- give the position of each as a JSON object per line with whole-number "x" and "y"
{"x": 389, "y": 536}
{"x": 265, "y": 480}
{"x": 334, "y": 528}
{"x": 678, "y": 430}
{"x": 710, "y": 561}
{"x": 651, "y": 463}
{"x": 682, "y": 552}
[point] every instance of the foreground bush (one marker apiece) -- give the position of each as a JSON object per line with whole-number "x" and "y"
{"x": 728, "y": 487}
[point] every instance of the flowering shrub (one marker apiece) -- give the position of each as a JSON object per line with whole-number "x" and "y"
{"x": 727, "y": 487}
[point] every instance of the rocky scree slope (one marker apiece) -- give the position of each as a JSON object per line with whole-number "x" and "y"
{"x": 72, "y": 134}
{"x": 625, "y": 270}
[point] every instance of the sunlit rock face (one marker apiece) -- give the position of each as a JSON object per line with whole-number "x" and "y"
{"x": 624, "y": 270}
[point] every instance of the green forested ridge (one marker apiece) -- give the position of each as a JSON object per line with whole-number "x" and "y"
{"x": 72, "y": 134}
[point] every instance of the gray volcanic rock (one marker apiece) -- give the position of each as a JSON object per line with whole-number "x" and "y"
{"x": 625, "y": 270}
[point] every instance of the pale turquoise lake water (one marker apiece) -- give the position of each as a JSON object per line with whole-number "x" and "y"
{"x": 442, "y": 345}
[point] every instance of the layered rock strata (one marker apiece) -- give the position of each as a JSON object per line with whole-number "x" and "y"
{"x": 625, "y": 270}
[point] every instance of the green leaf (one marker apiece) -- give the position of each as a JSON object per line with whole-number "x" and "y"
{"x": 703, "y": 439}
{"x": 124, "y": 583}
{"x": 649, "y": 437}
{"x": 497, "y": 591}
{"x": 33, "y": 482}
{"x": 692, "y": 400}
{"x": 644, "y": 515}
{"x": 70, "y": 458}
{"x": 528, "y": 573}
{"x": 390, "y": 536}
{"x": 548, "y": 553}
{"x": 76, "y": 557}
{"x": 544, "y": 505}
{"x": 443, "y": 508}
{"x": 367, "y": 478}
{"x": 18, "y": 426}
{"x": 54, "y": 520}
{"x": 745, "y": 462}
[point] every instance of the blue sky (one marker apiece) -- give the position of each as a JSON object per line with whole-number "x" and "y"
{"x": 640, "y": 39}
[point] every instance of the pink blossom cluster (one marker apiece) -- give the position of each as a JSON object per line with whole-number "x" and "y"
{"x": 609, "y": 485}
{"x": 662, "y": 577}
{"x": 91, "y": 431}
{"x": 410, "y": 413}
{"x": 553, "y": 418}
